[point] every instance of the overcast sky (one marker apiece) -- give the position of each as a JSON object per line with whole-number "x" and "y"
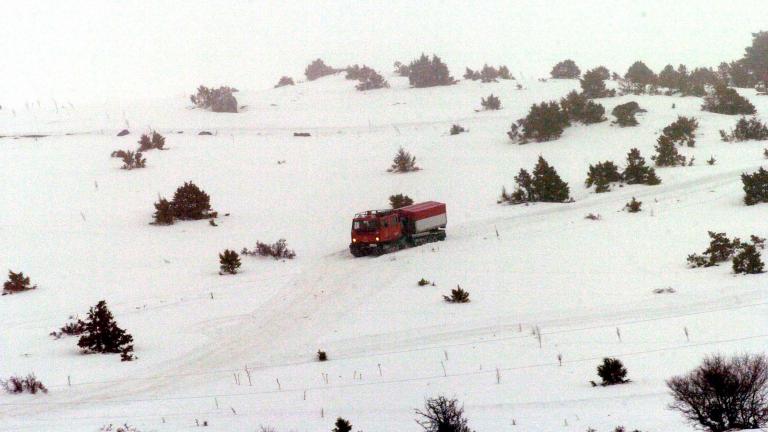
{"x": 97, "y": 50}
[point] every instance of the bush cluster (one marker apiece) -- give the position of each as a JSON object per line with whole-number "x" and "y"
{"x": 682, "y": 130}
{"x": 399, "y": 200}
{"x": 217, "y": 100}
{"x": 75, "y": 327}
{"x": 318, "y": 69}
{"x": 579, "y": 108}
{"x": 601, "y": 175}
{"x": 593, "y": 84}
{"x": 457, "y": 129}
{"x": 490, "y": 103}
{"x": 156, "y": 142}
{"x": 284, "y": 81}
{"x": 637, "y": 172}
{"x": 277, "y": 250}
{"x": 133, "y": 160}
{"x": 752, "y": 129}
{"x": 666, "y": 153}
{"x": 725, "y": 100}
{"x": 426, "y": 72}
{"x": 369, "y": 78}
{"x": 488, "y": 74}
{"x": 745, "y": 255}
{"x": 17, "y": 384}
{"x": 545, "y": 185}
{"x": 611, "y": 372}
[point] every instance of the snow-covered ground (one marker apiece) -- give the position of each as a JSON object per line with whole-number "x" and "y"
{"x": 240, "y": 351}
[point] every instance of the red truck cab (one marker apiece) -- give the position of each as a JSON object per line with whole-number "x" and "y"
{"x": 379, "y": 231}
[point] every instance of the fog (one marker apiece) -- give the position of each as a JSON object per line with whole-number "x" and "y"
{"x": 91, "y": 51}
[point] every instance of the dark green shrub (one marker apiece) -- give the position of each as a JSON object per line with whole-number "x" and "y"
{"x": 163, "y": 212}
{"x": 399, "y": 200}
{"x": 133, "y": 160}
{"x": 593, "y": 84}
{"x": 748, "y": 260}
{"x": 457, "y": 129}
{"x": 403, "y": 162}
{"x": 752, "y": 129}
{"x": 370, "y": 80}
{"x": 544, "y": 122}
{"x": 102, "y": 335}
{"x": 682, "y": 130}
{"x": 342, "y": 426}
{"x": 579, "y": 108}
{"x": 755, "y": 187}
{"x": 458, "y": 295}
{"x": 601, "y": 175}
{"x": 625, "y": 113}
{"x": 318, "y": 69}
{"x": 666, "y": 153}
{"x": 612, "y": 371}
{"x": 490, "y": 103}
{"x": 426, "y": 72}
{"x": 633, "y": 206}
{"x": 229, "y": 262}
{"x": 16, "y": 283}
{"x": 545, "y": 185}
{"x": 639, "y": 77}
{"x": 190, "y": 202}
{"x": 285, "y": 81}
{"x": 725, "y": 100}
{"x": 217, "y": 100}
{"x": 637, "y": 172}
{"x": 566, "y": 69}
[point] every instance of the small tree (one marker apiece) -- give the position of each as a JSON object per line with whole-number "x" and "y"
{"x": 458, "y": 295}
{"x": 399, "y": 200}
{"x": 16, "y": 283}
{"x": 370, "y": 80}
{"x": 633, "y": 206}
{"x": 457, "y": 129}
{"x": 442, "y": 415}
{"x": 612, "y": 372}
{"x": 318, "y": 69}
{"x": 640, "y": 76}
{"x": 544, "y": 122}
{"x": 602, "y": 175}
{"x": 755, "y": 187}
{"x": 285, "y": 81}
{"x": 566, "y": 69}
{"x": 625, "y": 113}
{"x": 504, "y": 73}
{"x": 342, "y": 425}
{"x": 229, "y": 262}
{"x": 190, "y": 202}
{"x": 145, "y": 143}
{"x": 403, "y": 162}
{"x": 401, "y": 69}
{"x": 133, "y": 160}
{"x": 426, "y": 72}
{"x": 724, "y": 394}
{"x": 593, "y": 84}
{"x": 682, "y": 130}
{"x": 544, "y": 185}
{"x": 580, "y": 109}
{"x": 720, "y": 249}
{"x": 102, "y": 335}
{"x": 636, "y": 172}
{"x": 158, "y": 141}
{"x": 666, "y": 153}
{"x": 725, "y": 100}
{"x": 163, "y": 212}
{"x": 752, "y": 129}
{"x": 748, "y": 261}
{"x": 490, "y": 103}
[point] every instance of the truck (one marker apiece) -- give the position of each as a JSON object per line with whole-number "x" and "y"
{"x": 376, "y": 232}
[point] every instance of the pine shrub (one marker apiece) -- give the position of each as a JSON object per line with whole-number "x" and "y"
{"x": 370, "y": 80}
{"x": 158, "y": 141}
{"x": 579, "y": 108}
{"x": 625, "y": 113}
{"x": 682, "y": 130}
{"x": 322, "y": 356}
{"x": 318, "y": 69}
{"x": 544, "y": 122}
{"x": 666, "y": 153}
{"x": 191, "y": 203}
{"x": 426, "y": 72}
{"x": 133, "y": 160}
{"x": 342, "y": 425}
{"x": 471, "y": 74}
{"x": 399, "y": 200}
{"x": 725, "y": 100}
{"x": 720, "y": 249}
{"x": 566, "y": 69}
{"x": 145, "y": 143}
{"x": 17, "y": 283}
{"x": 490, "y": 103}
{"x": 545, "y": 185}
{"x": 748, "y": 260}
{"x": 401, "y": 69}
{"x": 752, "y": 129}
{"x": 102, "y": 335}
{"x": 724, "y": 394}
{"x": 637, "y": 172}
{"x": 423, "y": 282}
{"x": 403, "y": 162}
{"x": 755, "y": 187}
{"x": 458, "y": 295}
{"x": 442, "y": 415}
{"x": 229, "y": 262}
{"x": 75, "y": 327}
{"x": 284, "y": 81}
{"x": 593, "y": 84}
{"x": 163, "y": 212}
{"x": 457, "y": 129}
{"x": 639, "y": 76}
{"x": 612, "y": 372}
{"x": 217, "y": 100}
{"x": 601, "y": 175}
{"x": 633, "y": 206}
{"x": 277, "y": 250}
{"x": 504, "y": 73}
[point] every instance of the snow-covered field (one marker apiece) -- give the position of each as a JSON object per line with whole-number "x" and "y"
{"x": 79, "y": 227}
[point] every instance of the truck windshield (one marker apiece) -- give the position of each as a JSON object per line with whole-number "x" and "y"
{"x": 365, "y": 225}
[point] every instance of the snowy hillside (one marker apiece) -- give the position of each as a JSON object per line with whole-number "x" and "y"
{"x": 239, "y": 351}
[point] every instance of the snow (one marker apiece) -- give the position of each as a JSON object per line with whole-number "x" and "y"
{"x": 79, "y": 227}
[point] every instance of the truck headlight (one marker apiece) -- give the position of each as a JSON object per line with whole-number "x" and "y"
{"x": 377, "y": 239}
{"x": 354, "y": 240}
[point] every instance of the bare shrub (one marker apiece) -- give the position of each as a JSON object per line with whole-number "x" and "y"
{"x": 75, "y": 327}
{"x": 29, "y": 384}
{"x": 403, "y": 162}
{"x": 442, "y": 415}
{"x": 133, "y": 160}
{"x": 724, "y": 393}
{"x": 16, "y": 283}
{"x": 458, "y": 295}
{"x": 277, "y": 250}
